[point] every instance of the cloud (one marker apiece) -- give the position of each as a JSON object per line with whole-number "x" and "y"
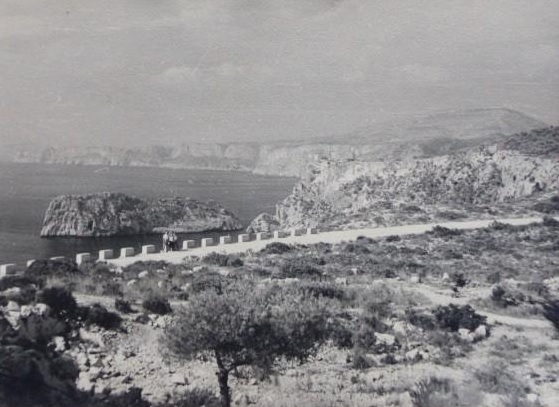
{"x": 300, "y": 67}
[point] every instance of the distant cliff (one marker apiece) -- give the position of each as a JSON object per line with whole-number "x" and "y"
{"x": 420, "y": 136}
{"x": 109, "y": 214}
{"x": 520, "y": 169}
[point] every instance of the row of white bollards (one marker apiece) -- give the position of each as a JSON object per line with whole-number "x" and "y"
{"x": 107, "y": 254}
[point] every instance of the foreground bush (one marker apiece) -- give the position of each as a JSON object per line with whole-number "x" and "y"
{"x": 276, "y": 248}
{"x": 157, "y": 305}
{"x": 100, "y": 316}
{"x": 41, "y": 269}
{"x": 60, "y": 300}
{"x": 454, "y": 317}
{"x": 244, "y": 326}
{"x": 222, "y": 260}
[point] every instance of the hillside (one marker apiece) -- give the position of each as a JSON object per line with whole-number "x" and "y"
{"x": 406, "y": 138}
{"x": 445, "y": 318}
{"x": 511, "y": 175}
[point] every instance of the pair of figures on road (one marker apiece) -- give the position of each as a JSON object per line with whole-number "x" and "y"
{"x": 170, "y": 241}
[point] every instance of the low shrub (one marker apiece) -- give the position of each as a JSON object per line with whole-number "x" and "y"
{"x": 41, "y": 269}
{"x": 196, "y": 397}
{"x": 433, "y": 392}
{"x": 393, "y": 238}
{"x": 157, "y": 305}
{"x": 327, "y": 290}
{"x": 459, "y": 279}
{"x": 496, "y": 377}
{"x": 360, "y": 360}
{"x": 60, "y": 300}
{"x": 550, "y": 222}
{"x": 341, "y": 332}
{"x": 276, "y": 248}
{"x": 505, "y": 296}
{"x": 356, "y": 248}
{"x": 441, "y": 231}
{"x": 98, "y": 315}
{"x": 421, "y": 318}
{"x": 301, "y": 267}
{"x": 123, "y": 306}
{"x": 19, "y": 282}
{"x": 208, "y": 281}
{"x": 222, "y": 260}
{"x": 365, "y": 338}
{"x": 451, "y": 215}
{"x": 454, "y": 317}
{"x": 548, "y": 207}
{"x": 551, "y": 312}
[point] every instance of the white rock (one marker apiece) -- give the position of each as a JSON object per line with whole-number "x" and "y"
{"x": 341, "y": 280}
{"x": 446, "y": 277}
{"x": 400, "y": 328}
{"x": 13, "y": 306}
{"x": 480, "y": 333}
{"x": 413, "y": 355}
{"x": 131, "y": 283}
{"x": 26, "y": 310}
{"x": 41, "y": 309}
{"x": 414, "y": 279}
{"x": 179, "y": 379}
{"x": 532, "y": 397}
{"x": 385, "y": 339}
{"x": 12, "y": 291}
{"x": 59, "y": 343}
{"x": 143, "y": 274}
{"x": 84, "y": 383}
{"x": 464, "y": 334}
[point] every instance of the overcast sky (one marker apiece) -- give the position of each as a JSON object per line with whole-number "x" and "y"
{"x": 162, "y": 71}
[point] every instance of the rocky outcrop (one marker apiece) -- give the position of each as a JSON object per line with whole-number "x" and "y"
{"x": 109, "y": 214}
{"x": 31, "y": 373}
{"x": 263, "y": 223}
{"x": 412, "y": 137}
{"x": 481, "y": 176}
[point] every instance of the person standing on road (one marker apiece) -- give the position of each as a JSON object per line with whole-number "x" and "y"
{"x": 165, "y": 241}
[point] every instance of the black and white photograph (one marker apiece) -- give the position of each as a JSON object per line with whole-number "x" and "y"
{"x": 279, "y": 203}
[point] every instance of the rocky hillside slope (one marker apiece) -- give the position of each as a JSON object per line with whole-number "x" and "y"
{"x": 405, "y": 138}
{"x": 108, "y": 214}
{"x": 522, "y": 168}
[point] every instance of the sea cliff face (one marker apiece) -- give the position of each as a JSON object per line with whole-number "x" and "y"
{"x": 516, "y": 170}
{"x": 420, "y": 136}
{"x": 109, "y": 214}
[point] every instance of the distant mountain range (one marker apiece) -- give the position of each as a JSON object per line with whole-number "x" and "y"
{"x": 412, "y": 137}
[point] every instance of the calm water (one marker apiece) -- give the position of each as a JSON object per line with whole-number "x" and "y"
{"x": 26, "y": 190}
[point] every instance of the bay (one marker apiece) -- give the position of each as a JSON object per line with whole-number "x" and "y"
{"x": 27, "y": 189}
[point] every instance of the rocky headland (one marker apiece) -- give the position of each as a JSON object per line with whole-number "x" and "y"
{"x": 109, "y": 214}
{"x": 520, "y": 172}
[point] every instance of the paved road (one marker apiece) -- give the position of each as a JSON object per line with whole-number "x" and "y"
{"x": 326, "y": 237}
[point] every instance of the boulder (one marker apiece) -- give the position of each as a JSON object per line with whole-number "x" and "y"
{"x": 179, "y": 379}
{"x": 263, "y": 223}
{"x": 480, "y": 333}
{"x": 13, "y": 307}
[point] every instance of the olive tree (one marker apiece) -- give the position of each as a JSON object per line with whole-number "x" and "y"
{"x": 247, "y": 326}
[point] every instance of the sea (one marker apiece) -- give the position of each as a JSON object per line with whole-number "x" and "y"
{"x": 27, "y": 189}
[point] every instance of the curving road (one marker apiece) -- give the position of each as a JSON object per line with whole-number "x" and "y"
{"x": 325, "y": 237}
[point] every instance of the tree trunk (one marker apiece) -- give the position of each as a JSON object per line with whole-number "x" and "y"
{"x": 223, "y": 378}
